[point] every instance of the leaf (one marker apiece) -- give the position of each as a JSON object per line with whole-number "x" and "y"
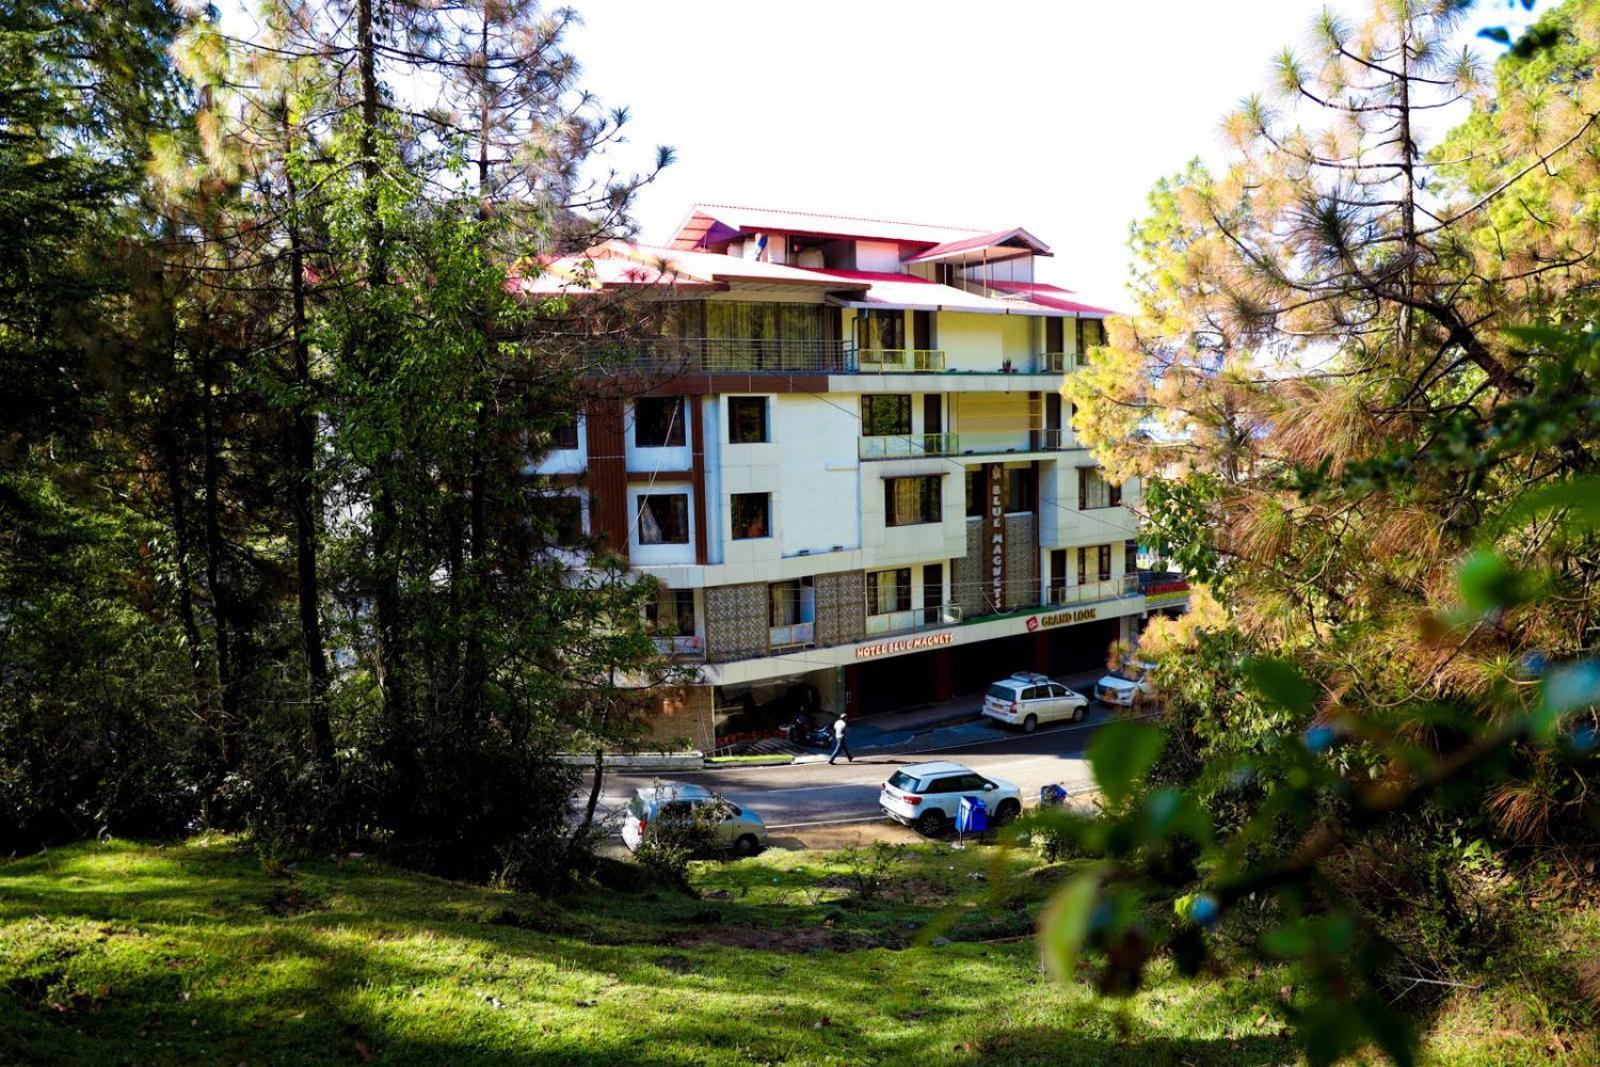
{"x": 1280, "y": 683}
{"x": 1580, "y": 496}
{"x": 1064, "y": 926}
{"x": 1488, "y": 582}
{"x": 1565, "y": 690}
{"x": 1120, "y": 753}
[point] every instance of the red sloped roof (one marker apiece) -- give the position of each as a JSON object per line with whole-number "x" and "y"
{"x": 1050, "y": 296}
{"x": 702, "y": 217}
{"x": 982, "y": 240}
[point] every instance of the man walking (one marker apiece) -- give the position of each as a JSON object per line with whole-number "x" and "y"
{"x": 838, "y": 740}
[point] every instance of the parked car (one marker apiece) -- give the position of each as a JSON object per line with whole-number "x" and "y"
{"x": 1028, "y": 699}
{"x": 732, "y": 828}
{"x": 1129, "y": 687}
{"x": 927, "y": 795}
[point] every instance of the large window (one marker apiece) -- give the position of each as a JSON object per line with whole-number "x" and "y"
{"x": 673, "y": 614}
{"x": 658, "y": 422}
{"x": 564, "y": 435}
{"x": 1095, "y": 492}
{"x": 877, "y": 329}
{"x": 889, "y": 591}
{"x": 562, "y": 517}
{"x": 747, "y": 420}
{"x": 664, "y": 519}
{"x": 791, "y": 603}
{"x": 1020, "y": 489}
{"x": 911, "y": 501}
{"x": 885, "y": 414}
{"x": 751, "y": 515}
{"x": 976, "y": 483}
{"x": 1105, "y": 562}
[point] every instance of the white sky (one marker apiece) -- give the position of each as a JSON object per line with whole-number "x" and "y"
{"x": 1054, "y": 116}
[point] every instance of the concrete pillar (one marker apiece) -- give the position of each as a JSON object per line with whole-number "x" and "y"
{"x": 1041, "y": 651}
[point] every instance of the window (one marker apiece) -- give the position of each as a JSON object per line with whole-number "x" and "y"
{"x": 1054, "y": 336}
{"x": 1083, "y": 566}
{"x": 673, "y": 614}
{"x": 1020, "y": 494}
{"x": 889, "y": 591}
{"x": 664, "y": 519}
{"x": 791, "y": 603}
{"x": 975, "y": 487}
{"x": 882, "y": 415}
{"x": 1058, "y": 569}
{"x": 658, "y": 422}
{"x": 1094, "y": 491}
{"x": 881, "y": 329}
{"x": 1057, "y": 690}
{"x": 911, "y": 501}
{"x": 747, "y": 420}
{"x": 562, "y": 516}
{"x": 1035, "y": 692}
{"x": 750, "y": 512}
{"x": 1130, "y": 557}
{"x": 946, "y": 785}
{"x": 1104, "y": 552}
{"x": 564, "y": 435}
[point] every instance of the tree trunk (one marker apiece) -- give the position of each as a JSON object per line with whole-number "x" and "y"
{"x": 304, "y": 498}
{"x": 216, "y": 583}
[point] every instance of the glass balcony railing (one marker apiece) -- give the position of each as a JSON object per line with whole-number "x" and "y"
{"x": 1087, "y": 592}
{"x": 908, "y": 445}
{"x": 691, "y": 647}
{"x": 795, "y": 635}
{"x": 899, "y": 360}
{"x": 735, "y": 355}
{"x": 927, "y": 618}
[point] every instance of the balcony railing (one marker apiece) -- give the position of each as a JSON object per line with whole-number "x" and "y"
{"x": 736, "y": 355}
{"x": 899, "y": 360}
{"x": 691, "y": 647}
{"x": 1055, "y": 362}
{"x": 1052, "y": 440}
{"x": 1087, "y": 592}
{"x": 795, "y": 635}
{"x": 894, "y": 622}
{"x": 909, "y": 445}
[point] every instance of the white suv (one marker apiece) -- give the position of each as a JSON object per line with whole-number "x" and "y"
{"x": 928, "y": 795}
{"x": 1129, "y": 687}
{"x": 1030, "y": 699}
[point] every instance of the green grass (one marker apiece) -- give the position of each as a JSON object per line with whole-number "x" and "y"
{"x": 775, "y": 760}
{"x": 191, "y": 953}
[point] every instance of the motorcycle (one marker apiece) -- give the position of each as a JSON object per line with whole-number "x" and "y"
{"x": 804, "y": 731}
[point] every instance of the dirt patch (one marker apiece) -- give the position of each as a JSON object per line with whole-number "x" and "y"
{"x": 48, "y": 994}
{"x": 293, "y": 900}
{"x": 786, "y": 939}
{"x": 855, "y": 834}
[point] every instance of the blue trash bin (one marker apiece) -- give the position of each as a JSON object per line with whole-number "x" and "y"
{"x": 972, "y": 817}
{"x": 1051, "y": 796}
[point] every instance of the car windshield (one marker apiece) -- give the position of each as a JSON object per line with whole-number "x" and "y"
{"x": 903, "y": 781}
{"x": 1002, "y": 692}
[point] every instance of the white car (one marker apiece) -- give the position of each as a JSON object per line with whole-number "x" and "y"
{"x": 1128, "y": 688}
{"x": 1028, "y": 699}
{"x": 928, "y": 795}
{"x": 736, "y": 829}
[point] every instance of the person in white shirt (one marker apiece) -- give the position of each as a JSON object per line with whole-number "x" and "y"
{"x": 839, "y": 745}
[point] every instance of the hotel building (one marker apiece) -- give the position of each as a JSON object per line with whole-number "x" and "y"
{"x": 847, "y": 459}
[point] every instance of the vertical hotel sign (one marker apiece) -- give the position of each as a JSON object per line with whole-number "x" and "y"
{"x": 995, "y": 534}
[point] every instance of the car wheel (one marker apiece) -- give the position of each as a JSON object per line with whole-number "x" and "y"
{"x": 746, "y": 845}
{"x": 1079, "y": 712}
{"x": 931, "y": 823}
{"x": 1030, "y": 724}
{"x": 1008, "y": 810}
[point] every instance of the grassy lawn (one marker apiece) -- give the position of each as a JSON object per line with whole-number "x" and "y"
{"x": 125, "y": 953}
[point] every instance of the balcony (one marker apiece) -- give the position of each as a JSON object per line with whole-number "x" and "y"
{"x": 1054, "y": 363}
{"x": 899, "y": 360}
{"x": 795, "y": 635}
{"x": 1089, "y": 592}
{"x": 908, "y": 445}
{"x": 928, "y": 618}
{"x": 1051, "y": 440}
{"x": 734, "y": 355}
{"x": 692, "y": 647}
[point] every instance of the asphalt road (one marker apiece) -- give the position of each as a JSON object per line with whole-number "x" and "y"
{"x": 812, "y": 794}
